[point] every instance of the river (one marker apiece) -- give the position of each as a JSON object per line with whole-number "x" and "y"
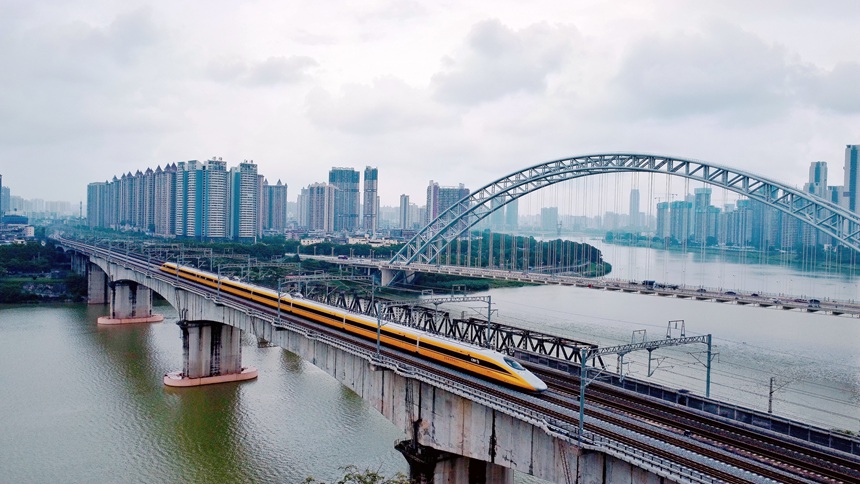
{"x": 82, "y": 404}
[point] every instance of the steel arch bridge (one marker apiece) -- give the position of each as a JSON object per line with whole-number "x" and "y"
{"x": 431, "y": 240}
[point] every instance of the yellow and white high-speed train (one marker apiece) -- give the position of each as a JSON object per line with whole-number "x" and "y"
{"x": 469, "y": 358}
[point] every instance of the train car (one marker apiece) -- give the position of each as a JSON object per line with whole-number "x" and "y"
{"x": 466, "y": 357}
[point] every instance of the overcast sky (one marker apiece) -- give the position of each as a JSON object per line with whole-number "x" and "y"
{"x": 452, "y": 91}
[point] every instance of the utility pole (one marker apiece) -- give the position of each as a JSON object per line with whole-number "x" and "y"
{"x": 770, "y": 396}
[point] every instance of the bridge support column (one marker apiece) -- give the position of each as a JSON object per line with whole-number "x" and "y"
{"x": 80, "y": 264}
{"x": 212, "y": 353}
{"x": 130, "y": 303}
{"x": 387, "y": 276}
{"x": 431, "y": 466}
{"x": 97, "y": 285}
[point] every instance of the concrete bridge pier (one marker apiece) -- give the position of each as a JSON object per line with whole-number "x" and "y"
{"x": 130, "y": 302}
{"x": 431, "y": 466}
{"x": 97, "y": 284}
{"x": 79, "y": 264}
{"x": 212, "y": 353}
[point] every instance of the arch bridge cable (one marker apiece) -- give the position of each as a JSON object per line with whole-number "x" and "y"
{"x": 430, "y": 242}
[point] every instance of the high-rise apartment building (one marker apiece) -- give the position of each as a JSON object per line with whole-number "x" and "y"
{"x": 663, "y": 220}
{"x": 201, "y": 199}
{"x": 244, "y": 196}
{"x": 164, "y": 196}
{"x": 371, "y": 200}
{"x": 2, "y": 202}
{"x": 512, "y": 215}
{"x": 316, "y": 206}
{"x": 97, "y": 201}
{"x": 851, "y": 190}
{"x": 702, "y": 215}
{"x": 405, "y": 214}
{"x": 635, "y": 216}
{"x": 5, "y": 199}
{"x": 440, "y": 199}
{"x": 497, "y": 218}
{"x": 680, "y": 218}
{"x": 275, "y": 206}
{"x": 549, "y": 219}
{"x": 345, "y": 181}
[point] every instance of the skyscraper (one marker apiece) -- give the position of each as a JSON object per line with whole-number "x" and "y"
{"x": 371, "y": 200}
{"x": 817, "y": 179}
{"x": 852, "y": 177}
{"x": 2, "y": 205}
{"x": 346, "y": 198}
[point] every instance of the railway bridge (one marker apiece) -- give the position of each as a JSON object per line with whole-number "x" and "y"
{"x": 458, "y": 429}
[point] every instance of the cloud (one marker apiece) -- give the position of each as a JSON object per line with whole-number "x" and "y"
{"x": 71, "y": 79}
{"x": 720, "y": 70}
{"x": 497, "y": 61}
{"x": 386, "y": 105}
{"x": 397, "y": 10}
{"x": 835, "y": 90}
{"x": 270, "y": 72}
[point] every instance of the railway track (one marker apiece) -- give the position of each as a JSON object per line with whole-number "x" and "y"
{"x": 807, "y": 462}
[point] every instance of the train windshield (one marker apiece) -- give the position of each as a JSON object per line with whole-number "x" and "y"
{"x": 514, "y": 364}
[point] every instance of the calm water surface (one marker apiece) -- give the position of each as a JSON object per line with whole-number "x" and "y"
{"x": 80, "y": 403}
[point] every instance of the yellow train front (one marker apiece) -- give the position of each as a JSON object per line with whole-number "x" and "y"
{"x": 468, "y": 358}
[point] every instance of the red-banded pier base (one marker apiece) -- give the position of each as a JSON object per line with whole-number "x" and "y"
{"x": 155, "y": 318}
{"x": 175, "y": 378}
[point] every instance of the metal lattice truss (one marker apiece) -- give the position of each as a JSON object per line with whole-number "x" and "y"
{"x": 430, "y": 241}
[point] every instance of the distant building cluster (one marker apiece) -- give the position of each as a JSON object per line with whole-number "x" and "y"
{"x": 191, "y": 199}
{"x": 206, "y": 200}
{"x": 753, "y": 224}
{"x": 16, "y": 226}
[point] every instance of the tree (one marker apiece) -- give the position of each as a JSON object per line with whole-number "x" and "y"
{"x": 353, "y": 476}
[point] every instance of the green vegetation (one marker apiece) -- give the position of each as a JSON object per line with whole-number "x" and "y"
{"x": 518, "y": 253}
{"x": 353, "y": 476}
{"x": 33, "y": 272}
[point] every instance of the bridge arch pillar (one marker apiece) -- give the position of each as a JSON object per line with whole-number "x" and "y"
{"x": 130, "y": 302}
{"x": 212, "y": 353}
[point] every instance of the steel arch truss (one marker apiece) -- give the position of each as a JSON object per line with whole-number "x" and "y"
{"x": 430, "y": 241}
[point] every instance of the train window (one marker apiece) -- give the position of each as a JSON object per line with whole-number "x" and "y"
{"x": 514, "y": 364}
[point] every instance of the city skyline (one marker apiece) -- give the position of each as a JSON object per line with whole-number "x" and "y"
{"x": 477, "y": 90}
